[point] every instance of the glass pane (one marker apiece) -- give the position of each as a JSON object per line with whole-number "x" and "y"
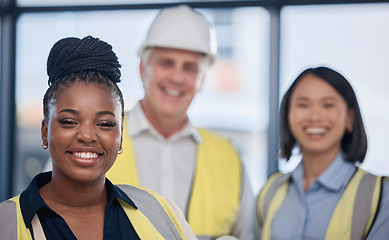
{"x": 31, "y": 3}
{"x": 233, "y": 101}
{"x": 35, "y": 3}
{"x": 352, "y": 39}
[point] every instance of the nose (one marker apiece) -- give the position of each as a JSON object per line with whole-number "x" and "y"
{"x": 87, "y": 133}
{"x": 177, "y": 75}
{"x": 314, "y": 113}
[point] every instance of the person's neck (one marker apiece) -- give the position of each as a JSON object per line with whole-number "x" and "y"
{"x": 81, "y": 205}
{"x": 167, "y": 126}
{"x": 71, "y": 194}
{"x": 315, "y": 164}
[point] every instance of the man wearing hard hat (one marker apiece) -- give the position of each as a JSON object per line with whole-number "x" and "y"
{"x": 197, "y": 169}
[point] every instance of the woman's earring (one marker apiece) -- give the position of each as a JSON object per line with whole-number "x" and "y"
{"x": 44, "y": 147}
{"x": 120, "y": 151}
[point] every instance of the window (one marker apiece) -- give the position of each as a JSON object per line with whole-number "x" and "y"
{"x": 233, "y": 101}
{"x": 352, "y": 39}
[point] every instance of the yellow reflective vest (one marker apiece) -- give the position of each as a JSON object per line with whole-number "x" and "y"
{"x": 154, "y": 219}
{"x": 353, "y": 215}
{"x": 217, "y": 184}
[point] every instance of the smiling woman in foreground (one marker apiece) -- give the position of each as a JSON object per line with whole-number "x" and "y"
{"x": 82, "y": 129}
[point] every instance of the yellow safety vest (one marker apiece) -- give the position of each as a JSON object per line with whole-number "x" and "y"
{"x": 351, "y": 219}
{"x": 140, "y": 220}
{"x": 216, "y": 189}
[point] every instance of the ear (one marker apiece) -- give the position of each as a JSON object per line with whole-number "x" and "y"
{"x": 121, "y": 138}
{"x": 142, "y": 70}
{"x": 350, "y": 120}
{"x": 44, "y": 132}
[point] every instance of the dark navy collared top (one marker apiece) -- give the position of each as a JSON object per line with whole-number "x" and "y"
{"x": 117, "y": 226}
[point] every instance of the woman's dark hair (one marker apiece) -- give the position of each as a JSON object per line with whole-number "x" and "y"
{"x": 354, "y": 144}
{"x": 89, "y": 60}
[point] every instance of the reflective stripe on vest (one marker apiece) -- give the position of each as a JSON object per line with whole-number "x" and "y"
{"x": 270, "y": 199}
{"x": 153, "y": 219}
{"x": 12, "y": 227}
{"x": 218, "y": 176}
{"x": 351, "y": 218}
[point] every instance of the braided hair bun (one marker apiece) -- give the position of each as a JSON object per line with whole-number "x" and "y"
{"x": 72, "y": 55}
{"x": 88, "y": 60}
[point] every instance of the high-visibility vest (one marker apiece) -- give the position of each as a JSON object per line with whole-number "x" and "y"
{"x": 351, "y": 219}
{"x": 217, "y": 185}
{"x": 153, "y": 219}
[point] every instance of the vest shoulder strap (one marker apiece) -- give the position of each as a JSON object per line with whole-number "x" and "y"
{"x": 12, "y": 226}
{"x": 352, "y": 219}
{"x": 154, "y": 214}
{"x": 267, "y": 193}
{"x": 270, "y": 198}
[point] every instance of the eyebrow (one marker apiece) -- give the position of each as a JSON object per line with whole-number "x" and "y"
{"x": 68, "y": 110}
{"x": 324, "y": 98}
{"x": 72, "y": 111}
{"x": 302, "y": 98}
{"x": 105, "y": 113}
{"x": 330, "y": 98}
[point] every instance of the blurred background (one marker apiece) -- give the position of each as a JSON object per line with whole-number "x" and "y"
{"x": 262, "y": 47}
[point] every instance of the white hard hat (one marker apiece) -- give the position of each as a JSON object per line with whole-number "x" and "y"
{"x": 184, "y": 28}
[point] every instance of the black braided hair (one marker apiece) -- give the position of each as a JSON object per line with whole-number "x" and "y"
{"x": 89, "y": 60}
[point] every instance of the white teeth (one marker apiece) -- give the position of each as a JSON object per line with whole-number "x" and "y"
{"x": 315, "y": 130}
{"x": 85, "y": 155}
{"x": 172, "y": 92}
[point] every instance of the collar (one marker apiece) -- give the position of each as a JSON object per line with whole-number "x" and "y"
{"x": 116, "y": 193}
{"x": 31, "y": 201}
{"x": 338, "y": 174}
{"x": 140, "y": 124}
{"x": 334, "y": 178}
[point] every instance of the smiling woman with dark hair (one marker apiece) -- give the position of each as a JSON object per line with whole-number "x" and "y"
{"x": 327, "y": 196}
{"x": 82, "y": 129}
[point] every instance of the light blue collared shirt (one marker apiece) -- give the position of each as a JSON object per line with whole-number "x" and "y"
{"x": 306, "y": 215}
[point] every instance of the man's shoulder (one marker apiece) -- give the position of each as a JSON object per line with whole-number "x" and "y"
{"x": 214, "y": 141}
{"x": 212, "y": 134}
